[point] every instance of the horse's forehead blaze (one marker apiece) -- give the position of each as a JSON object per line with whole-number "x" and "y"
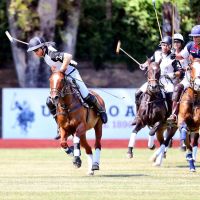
{"x": 54, "y": 80}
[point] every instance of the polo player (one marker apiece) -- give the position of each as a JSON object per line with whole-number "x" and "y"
{"x": 63, "y": 61}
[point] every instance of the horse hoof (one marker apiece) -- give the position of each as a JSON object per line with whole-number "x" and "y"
{"x": 95, "y": 166}
{"x": 129, "y": 155}
{"x": 153, "y": 147}
{"x": 156, "y": 164}
{"x": 90, "y": 173}
{"x": 77, "y": 162}
{"x": 183, "y": 148}
{"x": 193, "y": 170}
{"x": 153, "y": 159}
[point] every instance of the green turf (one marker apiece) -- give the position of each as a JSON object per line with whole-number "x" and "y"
{"x": 48, "y": 174}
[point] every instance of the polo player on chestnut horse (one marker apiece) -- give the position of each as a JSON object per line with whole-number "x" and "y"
{"x": 74, "y": 117}
{"x": 189, "y": 110}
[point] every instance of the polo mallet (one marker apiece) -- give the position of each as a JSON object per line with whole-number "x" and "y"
{"x": 154, "y": 5}
{"x": 173, "y": 10}
{"x": 119, "y": 48}
{"x": 12, "y": 39}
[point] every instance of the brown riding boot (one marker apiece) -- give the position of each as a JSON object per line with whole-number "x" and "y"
{"x": 91, "y": 100}
{"x": 172, "y": 119}
{"x": 138, "y": 95}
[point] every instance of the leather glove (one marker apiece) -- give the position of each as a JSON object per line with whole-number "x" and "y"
{"x": 172, "y": 56}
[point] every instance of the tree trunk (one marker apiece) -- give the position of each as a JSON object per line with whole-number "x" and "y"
{"x": 108, "y": 9}
{"x": 171, "y": 19}
{"x": 69, "y": 33}
{"x": 31, "y": 71}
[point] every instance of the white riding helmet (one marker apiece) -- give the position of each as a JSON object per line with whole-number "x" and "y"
{"x": 178, "y": 36}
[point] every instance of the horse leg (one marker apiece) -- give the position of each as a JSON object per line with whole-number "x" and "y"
{"x": 195, "y": 146}
{"x": 189, "y": 157}
{"x": 156, "y": 126}
{"x": 80, "y": 130}
{"x": 98, "y": 136}
{"x": 169, "y": 135}
{"x": 132, "y": 140}
{"x": 63, "y": 143}
{"x": 158, "y": 155}
{"x": 88, "y": 151}
{"x": 183, "y": 132}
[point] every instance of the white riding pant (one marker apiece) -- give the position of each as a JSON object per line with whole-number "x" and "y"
{"x": 167, "y": 84}
{"x": 143, "y": 88}
{"x": 79, "y": 82}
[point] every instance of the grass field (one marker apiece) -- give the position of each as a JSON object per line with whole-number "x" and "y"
{"x": 48, "y": 174}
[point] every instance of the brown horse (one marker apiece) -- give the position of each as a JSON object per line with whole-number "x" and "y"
{"x": 74, "y": 118}
{"x": 189, "y": 110}
{"x": 153, "y": 112}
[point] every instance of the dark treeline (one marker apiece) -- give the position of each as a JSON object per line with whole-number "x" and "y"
{"x": 102, "y": 23}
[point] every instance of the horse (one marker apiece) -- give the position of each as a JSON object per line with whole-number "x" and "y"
{"x": 189, "y": 112}
{"x": 74, "y": 118}
{"x": 153, "y": 112}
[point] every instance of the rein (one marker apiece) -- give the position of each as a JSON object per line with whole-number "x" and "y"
{"x": 66, "y": 90}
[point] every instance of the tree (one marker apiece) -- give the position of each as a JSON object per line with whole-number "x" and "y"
{"x": 27, "y": 18}
{"x": 70, "y": 14}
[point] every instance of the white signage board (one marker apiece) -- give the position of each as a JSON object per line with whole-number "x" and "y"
{"x": 26, "y": 116}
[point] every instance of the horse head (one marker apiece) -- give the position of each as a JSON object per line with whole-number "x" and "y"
{"x": 195, "y": 74}
{"x": 58, "y": 84}
{"x": 153, "y": 77}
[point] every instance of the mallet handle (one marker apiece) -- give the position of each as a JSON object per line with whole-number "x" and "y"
{"x": 130, "y": 56}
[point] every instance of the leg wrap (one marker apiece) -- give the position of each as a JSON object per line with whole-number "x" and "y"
{"x": 183, "y": 131}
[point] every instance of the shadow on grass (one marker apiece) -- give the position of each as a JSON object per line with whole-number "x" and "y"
{"x": 123, "y": 175}
{"x": 186, "y": 166}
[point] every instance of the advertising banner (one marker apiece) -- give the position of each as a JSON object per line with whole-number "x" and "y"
{"x": 26, "y": 116}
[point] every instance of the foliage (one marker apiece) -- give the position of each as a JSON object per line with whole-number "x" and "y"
{"x": 26, "y": 18}
{"x": 133, "y": 22}
{"x": 5, "y": 45}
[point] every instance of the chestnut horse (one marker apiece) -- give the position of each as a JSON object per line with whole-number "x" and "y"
{"x": 74, "y": 117}
{"x": 153, "y": 112}
{"x": 189, "y": 110}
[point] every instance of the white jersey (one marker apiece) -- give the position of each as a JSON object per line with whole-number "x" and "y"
{"x": 167, "y": 70}
{"x": 54, "y": 58}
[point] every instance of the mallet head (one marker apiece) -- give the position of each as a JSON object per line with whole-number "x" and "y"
{"x": 118, "y": 47}
{"x": 9, "y": 36}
